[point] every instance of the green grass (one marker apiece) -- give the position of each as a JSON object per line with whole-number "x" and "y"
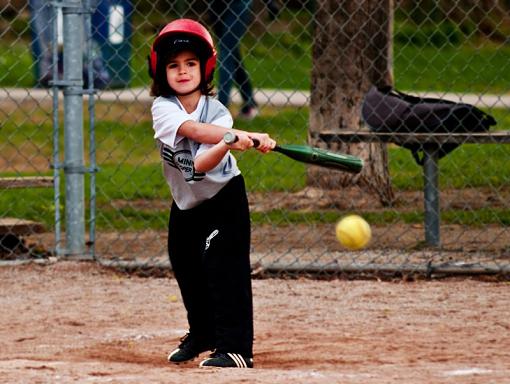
{"x": 16, "y": 64}
{"x": 474, "y": 218}
{"x": 132, "y": 219}
{"x": 281, "y": 58}
{"x": 464, "y": 68}
{"x": 130, "y": 171}
{"x": 38, "y": 205}
{"x": 31, "y": 204}
{"x": 129, "y": 165}
{"x": 470, "y": 165}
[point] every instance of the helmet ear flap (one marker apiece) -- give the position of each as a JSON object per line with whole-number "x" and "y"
{"x": 152, "y": 62}
{"x": 209, "y": 67}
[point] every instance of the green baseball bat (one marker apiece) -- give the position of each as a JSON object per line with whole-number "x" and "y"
{"x": 311, "y": 155}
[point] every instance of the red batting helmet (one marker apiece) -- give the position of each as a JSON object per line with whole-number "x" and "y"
{"x": 190, "y": 28}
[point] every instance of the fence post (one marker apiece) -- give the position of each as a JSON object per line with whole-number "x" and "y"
{"x": 431, "y": 195}
{"x": 73, "y": 127}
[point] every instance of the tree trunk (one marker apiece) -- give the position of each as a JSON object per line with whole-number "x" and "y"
{"x": 351, "y": 51}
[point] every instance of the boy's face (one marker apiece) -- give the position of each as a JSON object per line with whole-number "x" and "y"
{"x": 183, "y": 73}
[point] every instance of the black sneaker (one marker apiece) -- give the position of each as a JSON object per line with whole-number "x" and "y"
{"x": 227, "y": 360}
{"x": 187, "y": 350}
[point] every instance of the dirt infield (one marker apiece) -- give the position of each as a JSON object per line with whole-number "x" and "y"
{"x": 76, "y": 322}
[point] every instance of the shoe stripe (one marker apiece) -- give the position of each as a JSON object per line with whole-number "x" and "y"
{"x": 238, "y": 359}
{"x": 173, "y": 353}
{"x": 234, "y": 357}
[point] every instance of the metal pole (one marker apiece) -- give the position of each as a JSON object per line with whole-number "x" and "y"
{"x": 56, "y": 131}
{"x": 73, "y": 128}
{"x": 92, "y": 135}
{"x": 431, "y": 195}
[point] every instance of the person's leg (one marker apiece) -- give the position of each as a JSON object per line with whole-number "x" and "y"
{"x": 100, "y": 74}
{"x": 227, "y": 258}
{"x": 241, "y": 76}
{"x": 230, "y": 29}
{"x": 185, "y": 248}
{"x": 41, "y": 25}
{"x": 226, "y": 63}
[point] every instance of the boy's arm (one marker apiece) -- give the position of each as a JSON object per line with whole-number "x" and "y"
{"x": 213, "y": 156}
{"x": 212, "y": 134}
{"x": 203, "y": 132}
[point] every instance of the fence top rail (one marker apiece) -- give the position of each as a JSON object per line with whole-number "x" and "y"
{"x": 349, "y": 136}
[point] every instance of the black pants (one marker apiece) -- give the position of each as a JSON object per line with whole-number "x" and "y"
{"x": 209, "y": 249}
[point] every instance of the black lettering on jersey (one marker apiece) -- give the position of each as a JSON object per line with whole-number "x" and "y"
{"x": 182, "y": 160}
{"x": 227, "y": 168}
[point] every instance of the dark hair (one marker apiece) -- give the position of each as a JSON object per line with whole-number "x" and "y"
{"x": 167, "y": 50}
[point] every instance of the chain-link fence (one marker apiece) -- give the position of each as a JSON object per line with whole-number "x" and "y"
{"x": 310, "y": 64}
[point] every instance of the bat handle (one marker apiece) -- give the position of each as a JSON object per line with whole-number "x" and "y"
{"x": 230, "y": 138}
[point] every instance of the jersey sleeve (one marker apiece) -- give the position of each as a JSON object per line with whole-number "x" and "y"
{"x": 219, "y": 115}
{"x": 167, "y": 117}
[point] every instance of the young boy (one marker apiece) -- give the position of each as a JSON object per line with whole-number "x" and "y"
{"x": 209, "y": 227}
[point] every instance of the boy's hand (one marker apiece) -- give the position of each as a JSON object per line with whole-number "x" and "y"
{"x": 240, "y": 142}
{"x": 243, "y": 141}
{"x": 263, "y": 141}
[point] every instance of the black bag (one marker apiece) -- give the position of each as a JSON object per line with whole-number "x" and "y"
{"x": 388, "y": 110}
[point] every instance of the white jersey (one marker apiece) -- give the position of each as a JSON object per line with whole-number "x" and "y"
{"x": 190, "y": 188}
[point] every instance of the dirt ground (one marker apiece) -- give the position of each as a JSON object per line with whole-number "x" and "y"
{"x": 76, "y": 322}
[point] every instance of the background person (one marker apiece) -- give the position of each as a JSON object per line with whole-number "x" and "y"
{"x": 230, "y": 20}
{"x": 41, "y": 16}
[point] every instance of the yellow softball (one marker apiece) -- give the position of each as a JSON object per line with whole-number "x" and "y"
{"x": 353, "y": 232}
